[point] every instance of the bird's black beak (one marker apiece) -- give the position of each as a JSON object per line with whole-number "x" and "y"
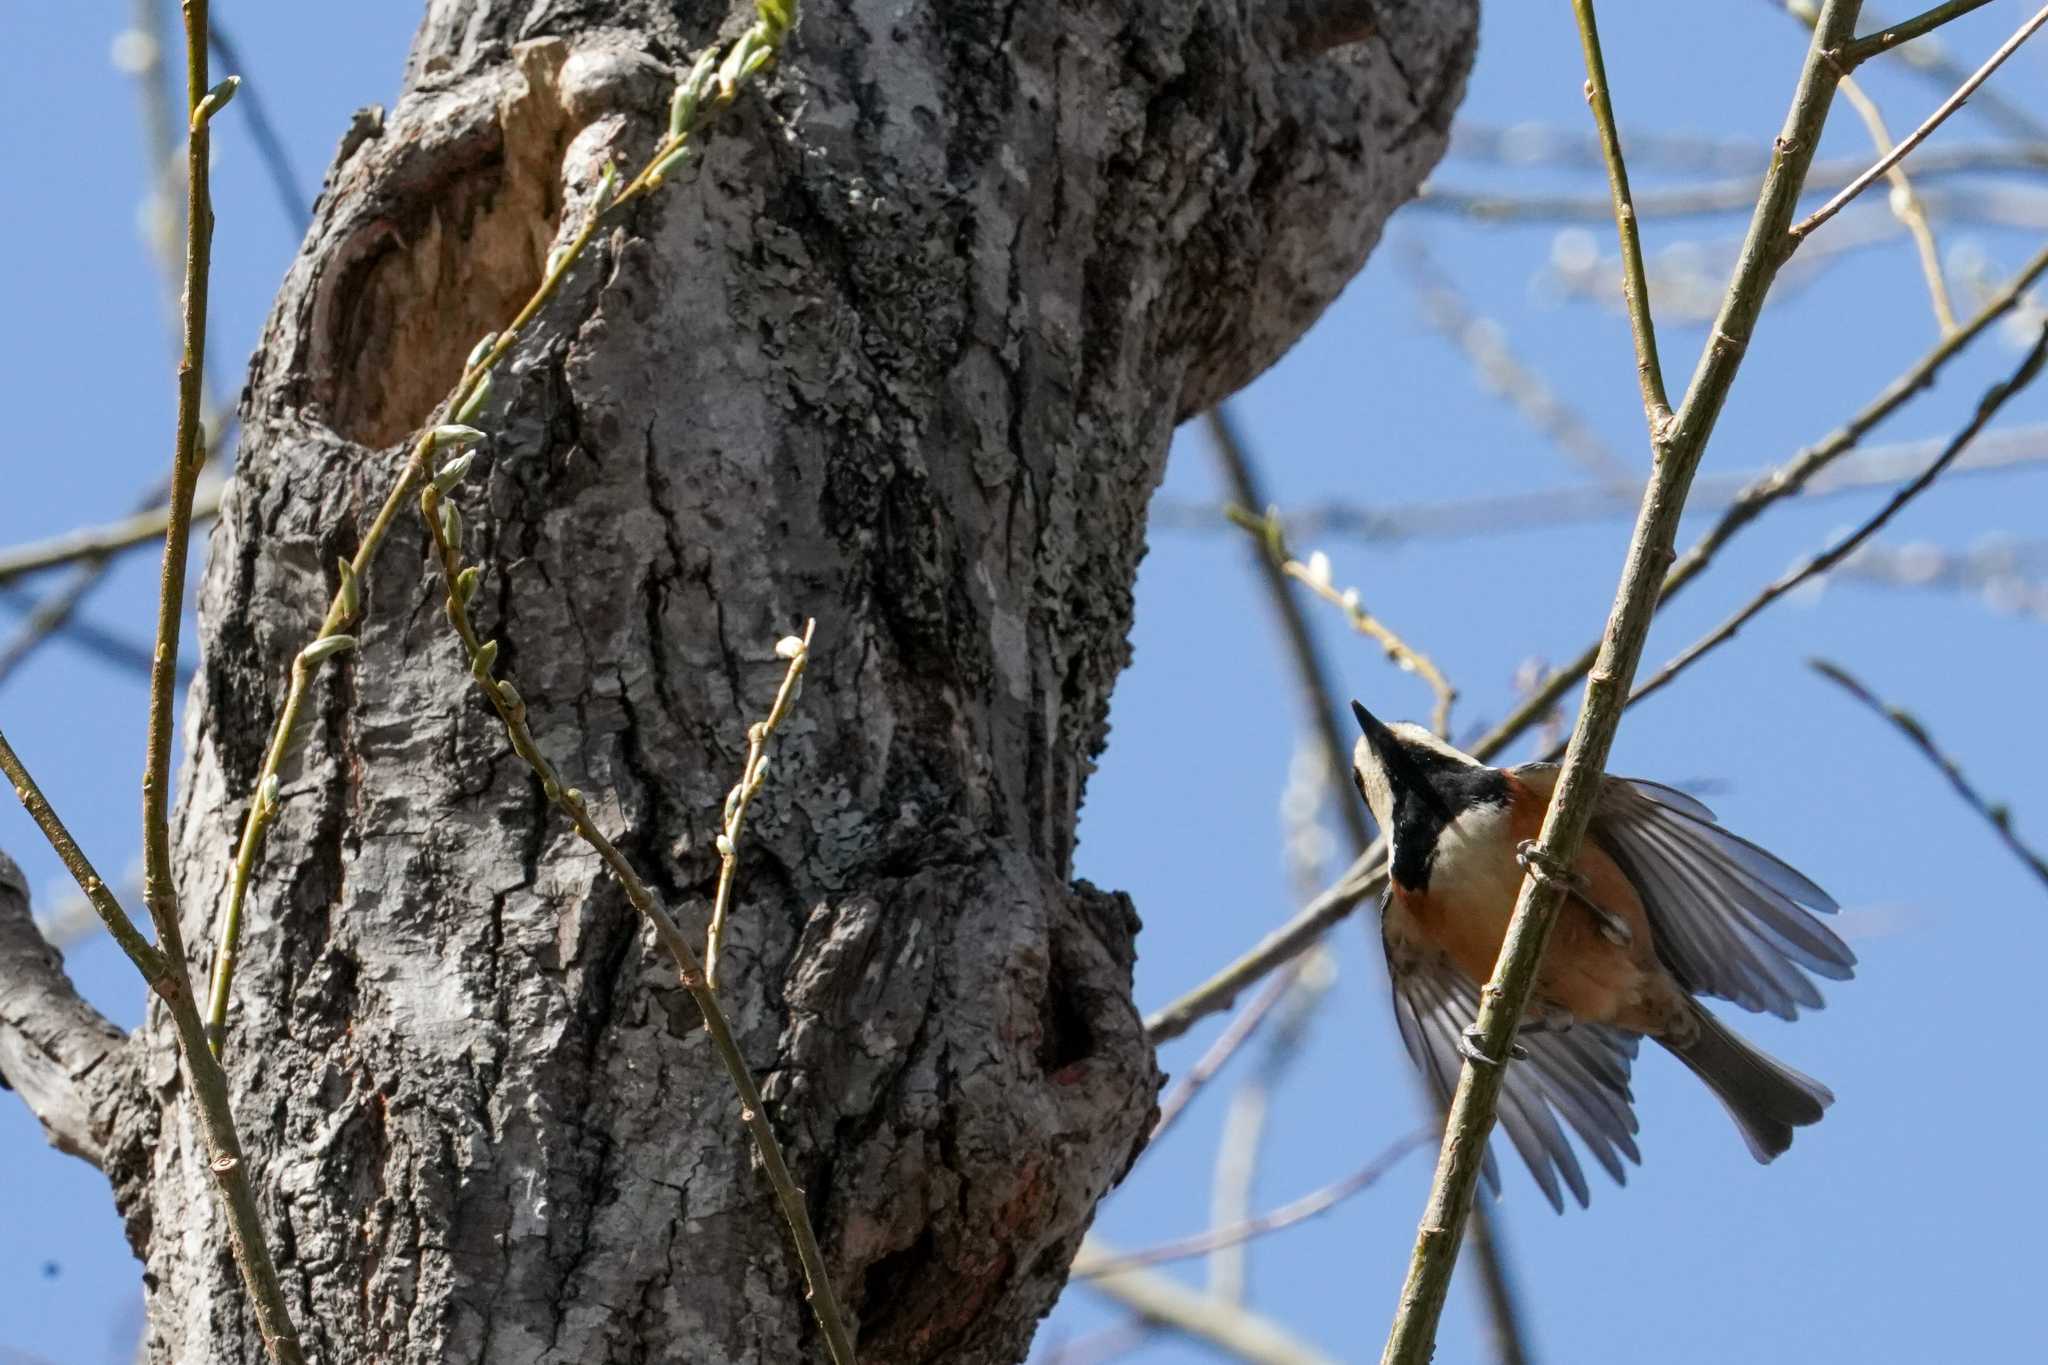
{"x": 1377, "y": 735}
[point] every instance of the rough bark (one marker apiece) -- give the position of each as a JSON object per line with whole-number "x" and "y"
{"x": 903, "y": 353}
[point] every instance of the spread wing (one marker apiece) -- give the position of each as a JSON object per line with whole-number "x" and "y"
{"x": 1579, "y": 1075}
{"x": 1730, "y": 920}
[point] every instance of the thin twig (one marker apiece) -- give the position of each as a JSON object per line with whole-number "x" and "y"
{"x": 270, "y": 146}
{"x": 1906, "y": 205}
{"x": 1913, "y": 139}
{"x": 1635, "y": 287}
{"x": 1993, "y": 399}
{"x": 752, "y": 775}
{"x": 2001, "y": 451}
{"x": 1091, "y": 1263}
{"x": 705, "y": 93}
{"x": 95, "y": 542}
{"x": 1232, "y": 1329}
{"x": 157, "y": 971}
{"x": 1890, "y": 36}
{"x": 1995, "y": 813}
{"x": 1315, "y": 576}
{"x": 1242, "y": 1026}
{"x": 1781, "y": 483}
{"x": 1311, "y": 671}
{"x": 1412, "y": 1338}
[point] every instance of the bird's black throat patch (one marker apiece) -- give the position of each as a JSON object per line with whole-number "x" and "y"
{"x": 1430, "y": 791}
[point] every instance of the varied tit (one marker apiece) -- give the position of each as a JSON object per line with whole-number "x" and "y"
{"x": 1662, "y": 905}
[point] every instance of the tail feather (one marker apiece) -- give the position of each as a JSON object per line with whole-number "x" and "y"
{"x": 1766, "y": 1098}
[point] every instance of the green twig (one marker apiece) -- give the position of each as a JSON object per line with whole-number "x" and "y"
{"x": 1504, "y": 999}
{"x": 1995, "y": 813}
{"x": 755, "y": 771}
{"x": 173, "y": 981}
{"x": 1635, "y": 285}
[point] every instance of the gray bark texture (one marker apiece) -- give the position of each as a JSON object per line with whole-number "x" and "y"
{"x": 903, "y": 351}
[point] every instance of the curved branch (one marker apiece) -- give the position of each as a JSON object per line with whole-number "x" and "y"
{"x": 54, "y": 1047}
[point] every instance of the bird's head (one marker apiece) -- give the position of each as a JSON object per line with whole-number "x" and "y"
{"x": 1414, "y": 784}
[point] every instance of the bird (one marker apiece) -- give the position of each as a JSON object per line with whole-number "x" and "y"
{"x": 1663, "y": 906}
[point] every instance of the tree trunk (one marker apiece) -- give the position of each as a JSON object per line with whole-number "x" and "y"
{"x": 903, "y": 352}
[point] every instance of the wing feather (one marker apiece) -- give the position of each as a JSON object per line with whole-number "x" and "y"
{"x": 1580, "y": 1074}
{"x": 1730, "y": 919}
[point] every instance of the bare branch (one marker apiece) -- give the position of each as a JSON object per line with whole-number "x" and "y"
{"x": 1235, "y": 1331}
{"x": 1987, "y": 407}
{"x": 1906, "y": 205}
{"x": 1090, "y": 1264}
{"x": 1995, "y": 813}
{"x": 1913, "y": 139}
{"x": 2001, "y": 451}
{"x": 1635, "y": 287}
{"x": 101, "y": 542}
{"x": 55, "y": 1049}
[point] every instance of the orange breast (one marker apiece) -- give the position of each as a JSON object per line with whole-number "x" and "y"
{"x": 1471, "y": 896}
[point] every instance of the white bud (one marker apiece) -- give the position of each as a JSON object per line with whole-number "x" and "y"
{"x": 724, "y": 846}
{"x": 1319, "y": 569}
{"x": 789, "y": 646}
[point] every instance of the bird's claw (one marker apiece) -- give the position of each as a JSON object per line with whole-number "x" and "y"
{"x": 1468, "y": 1048}
{"x": 1545, "y": 868}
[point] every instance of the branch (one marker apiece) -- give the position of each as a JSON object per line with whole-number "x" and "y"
{"x": 270, "y": 148}
{"x": 54, "y": 1047}
{"x": 1889, "y": 37}
{"x": 1919, "y": 135}
{"x": 1311, "y": 671}
{"x": 2008, "y": 448}
{"x": 1906, "y": 205}
{"x": 1996, "y": 813}
{"x": 1233, "y": 1330}
{"x": 1987, "y": 407}
{"x": 1635, "y": 288}
{"x": 1093, "y": 1263}
{"x": 102, "y": 542}
{"x": 1781, "y": 483}
{"x": 1504, "y": 999}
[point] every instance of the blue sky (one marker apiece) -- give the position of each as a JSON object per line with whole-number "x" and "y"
{"x": 1896, "y": 1231}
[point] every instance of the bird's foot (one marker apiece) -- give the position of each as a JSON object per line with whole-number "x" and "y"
{"x": 1545, "y": 868}
{"x": 1468, "y": 1048}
